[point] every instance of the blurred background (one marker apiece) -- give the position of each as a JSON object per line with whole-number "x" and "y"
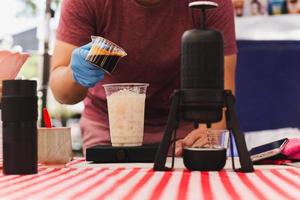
{"x": 268, "y": 71}
{"x": 29, "y": 26}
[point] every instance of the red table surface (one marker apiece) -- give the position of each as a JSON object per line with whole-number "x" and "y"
{"x": 71, "y": 182}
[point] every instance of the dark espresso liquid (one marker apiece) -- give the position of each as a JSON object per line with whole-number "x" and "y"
{"x": 106, "y": 62}
{"x": 104, "y": 58}
{"x": 204, "y": 159}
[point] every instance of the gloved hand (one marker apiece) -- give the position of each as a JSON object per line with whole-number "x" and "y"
{"x": 85, "y": 73}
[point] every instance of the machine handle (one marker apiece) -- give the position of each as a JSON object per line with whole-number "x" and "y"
{"x": 203, "y": 5}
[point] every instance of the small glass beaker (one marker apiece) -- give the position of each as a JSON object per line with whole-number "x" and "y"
{"x": 211, "y": 156}
{"x": 104, "y": 54}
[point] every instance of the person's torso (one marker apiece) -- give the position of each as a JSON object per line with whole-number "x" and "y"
{"x": 151, "y": 36}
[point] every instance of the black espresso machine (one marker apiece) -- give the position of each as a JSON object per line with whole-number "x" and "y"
{"x": 201, "y": 99}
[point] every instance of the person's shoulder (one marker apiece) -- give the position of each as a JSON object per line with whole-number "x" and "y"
{"x": 82, "y": 4}
{"x": 225, "y": 7}
{"x": 224, "y": 3}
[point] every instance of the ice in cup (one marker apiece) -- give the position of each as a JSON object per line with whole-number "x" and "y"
{"x": 54, "y": 145}
{"x": 104, "y": 54}
{"x": 126, "y": 112}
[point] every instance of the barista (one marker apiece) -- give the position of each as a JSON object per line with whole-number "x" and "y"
{"x": 150, "y": 32}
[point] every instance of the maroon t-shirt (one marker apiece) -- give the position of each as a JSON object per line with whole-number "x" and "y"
{"x": 151, "y": 36}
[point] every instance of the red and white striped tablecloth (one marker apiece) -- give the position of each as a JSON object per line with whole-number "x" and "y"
{"x": 144, "y": 184}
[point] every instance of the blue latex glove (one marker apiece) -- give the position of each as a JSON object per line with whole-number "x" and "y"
{"x": 85, "y": 73}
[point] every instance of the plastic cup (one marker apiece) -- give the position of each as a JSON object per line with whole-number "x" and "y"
{"x": 104, "y": 54}
{"x": 126, "y": 112}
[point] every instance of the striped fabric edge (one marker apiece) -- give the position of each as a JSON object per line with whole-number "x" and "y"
{"x": 103, "y": 183}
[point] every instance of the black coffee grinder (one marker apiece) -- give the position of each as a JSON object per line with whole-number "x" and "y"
{"x": 202, "y": 97}
{"x": 19, "y": 105}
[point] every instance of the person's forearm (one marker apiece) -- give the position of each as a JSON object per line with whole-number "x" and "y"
{"x": 64, "y": 88}
{"x": 229, "y": 84}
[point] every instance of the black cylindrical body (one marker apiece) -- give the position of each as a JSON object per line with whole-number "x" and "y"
{"x": 19, "y": 116}
{"x": 202, "y": 68}
{"x": 202, "y": 61}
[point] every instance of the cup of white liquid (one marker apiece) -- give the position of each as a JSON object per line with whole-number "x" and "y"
{"x": 126, "y": 112}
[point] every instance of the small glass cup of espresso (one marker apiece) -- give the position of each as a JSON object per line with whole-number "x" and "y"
{"x": 211, "y": 156}
{"x": 104, "y": 54}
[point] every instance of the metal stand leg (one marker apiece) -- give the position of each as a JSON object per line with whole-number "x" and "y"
{"x": 232, "y": 124}
{"x": 172, "y": 125}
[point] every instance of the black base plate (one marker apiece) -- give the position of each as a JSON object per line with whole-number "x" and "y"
{"x": 108, "y": 154}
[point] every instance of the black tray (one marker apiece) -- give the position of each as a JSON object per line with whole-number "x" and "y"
{"x": 109, "y": 154}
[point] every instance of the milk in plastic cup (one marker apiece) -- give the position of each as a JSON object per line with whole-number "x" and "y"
{"x": 126, "y": 112}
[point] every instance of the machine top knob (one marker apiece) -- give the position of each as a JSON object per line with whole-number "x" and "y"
{"x": 203, "y": 4}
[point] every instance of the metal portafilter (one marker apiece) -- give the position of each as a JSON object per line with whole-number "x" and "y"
{"x": 202, "y": 97}
{"x": 19, "y": 116}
